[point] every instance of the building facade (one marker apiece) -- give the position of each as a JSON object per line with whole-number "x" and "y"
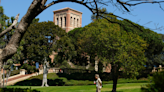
{"x": 67, "y": 18}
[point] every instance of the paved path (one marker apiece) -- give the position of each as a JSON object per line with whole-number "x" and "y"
{"x": 18, "y": 77}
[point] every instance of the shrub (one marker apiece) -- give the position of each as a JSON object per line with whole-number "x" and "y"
{"x": 17, "y": 90}
{"x": 157, "y": 83}
{"x": 30, "y": 69}
{"x": 14, "y": 72}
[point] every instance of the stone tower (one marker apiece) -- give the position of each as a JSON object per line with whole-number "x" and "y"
{"x": 67, "y": 18}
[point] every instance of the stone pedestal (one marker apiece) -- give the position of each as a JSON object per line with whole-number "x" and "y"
{"x": 22, "y": 71}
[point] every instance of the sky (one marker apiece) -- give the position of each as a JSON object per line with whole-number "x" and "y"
{"x": 148, "y": 15}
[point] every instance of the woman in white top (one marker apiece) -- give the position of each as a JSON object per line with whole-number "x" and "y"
{"x": 98, "y": 83}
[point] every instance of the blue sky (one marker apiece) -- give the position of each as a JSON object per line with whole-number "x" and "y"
{"x": 141, "y": 14}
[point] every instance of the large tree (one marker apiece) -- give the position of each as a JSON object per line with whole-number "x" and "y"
{"x": 38, "y": 6}
{"x": 154, "y": 50}
{"x": 112, "y": 44}
{"x": 40, "y": 41}
{"x": 81, "y": 57}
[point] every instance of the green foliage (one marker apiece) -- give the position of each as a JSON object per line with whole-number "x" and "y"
{"x": 80, "y": 58}
{"x": 8, "y": 64}
{"x": 65, "y": 48}
{"x": 114, "y": 45}
{"x": 5, "y": 22}
{"x": 30, "y": 69}
{"x": 154, "y": 40}
{"x": 40, "y": 40}
{"x": 157, "y": 83}
{"x": 64, "y": 64}
{"x": 17, "y": 90}
{"x": 15, "y": 72}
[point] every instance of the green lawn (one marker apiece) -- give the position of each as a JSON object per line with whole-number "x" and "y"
{"x": 126, "y": 87}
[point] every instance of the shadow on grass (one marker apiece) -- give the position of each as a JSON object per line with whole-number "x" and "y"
{"x": 38, "y": 82}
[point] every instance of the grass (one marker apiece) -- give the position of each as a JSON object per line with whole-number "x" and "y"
{"x": 126, "y": 87}
{"x": 54, "y": 80}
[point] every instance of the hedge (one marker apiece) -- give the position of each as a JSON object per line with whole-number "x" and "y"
{"x": 17, "y": 90}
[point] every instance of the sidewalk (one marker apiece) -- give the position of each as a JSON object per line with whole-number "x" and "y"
{"x": 17, "y": 78}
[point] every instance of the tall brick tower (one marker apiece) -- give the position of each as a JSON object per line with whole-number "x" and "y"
{"x": 67, "y": 18}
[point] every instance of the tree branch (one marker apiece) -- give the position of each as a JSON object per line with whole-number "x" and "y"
{"x": 58, "y": 1}
{"x": 142, "y": 3}
{"x": 9, "y": 28}
{"x": 44, "y": 2}
{"x": 96, "y": 10}
{"x": 123, "y": 5}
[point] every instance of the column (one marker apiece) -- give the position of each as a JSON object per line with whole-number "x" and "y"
{"x": 63, "y": 22}
{"x": 72, "y": 21}
{"x": 59, "y": 21}
{"x": 68, "y": 17}
{"x": 75, "y": 22}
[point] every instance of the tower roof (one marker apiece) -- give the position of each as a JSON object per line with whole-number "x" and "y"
{"x": 67, "y": 8}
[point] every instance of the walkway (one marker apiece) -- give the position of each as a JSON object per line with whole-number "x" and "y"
{"x": 17, "y": 78}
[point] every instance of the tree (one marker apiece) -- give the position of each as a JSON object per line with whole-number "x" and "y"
{"x": 38, "y": 6}
{"x": 40, "y": 41}
{"x": 66, "y": 51}
{"x": 154, "y": 41}
{"x": 111, "y": 44}
{"x": 81, "y": 57}
{"x": 152, "y": 38}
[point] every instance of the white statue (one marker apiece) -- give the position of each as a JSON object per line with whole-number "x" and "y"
{"x": 45, "y": 72}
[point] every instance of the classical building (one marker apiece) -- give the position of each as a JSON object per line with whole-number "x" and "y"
{"x": 67, "y": 18}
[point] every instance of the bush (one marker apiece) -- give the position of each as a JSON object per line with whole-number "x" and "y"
{"x": 17, "y": 90}
{"x": 14, "y": 72}
{"x": 157, "y": 83}
{"x": 85, "y": 76}
{"x": 30, "y": 69}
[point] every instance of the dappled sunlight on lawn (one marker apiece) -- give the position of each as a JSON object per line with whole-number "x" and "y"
{"x": 126, "y": 87}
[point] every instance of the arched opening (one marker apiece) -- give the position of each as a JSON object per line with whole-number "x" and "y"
{"x": 71, "y": 21}
{"x": 57, "y": 21}
{"x": 61, "y": 21}
{"x": 65, "y": 21}
{"x": 74, "y": 22}
{"x": 77, "y": 22}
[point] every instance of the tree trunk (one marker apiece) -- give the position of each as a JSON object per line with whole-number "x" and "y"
{"x": 8, "y": 75}
{"x": 3, "y": 77}
{"x": 0, "y": 75}
{"x": 115, "y": 76}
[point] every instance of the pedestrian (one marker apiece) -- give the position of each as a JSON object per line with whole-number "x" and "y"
{"x": 37, "y": 68}
{"x": 98, "y": 83}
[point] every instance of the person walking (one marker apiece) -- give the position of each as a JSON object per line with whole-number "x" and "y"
{"x": 98, "y": 83}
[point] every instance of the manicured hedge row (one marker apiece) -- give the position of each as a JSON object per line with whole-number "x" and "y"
{"x": 87, "y": 76}
{"x": 17, "y": 90}
{"x": 38, "y": 82}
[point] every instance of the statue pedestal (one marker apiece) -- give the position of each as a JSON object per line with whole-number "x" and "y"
{"x": 22, "y": 71}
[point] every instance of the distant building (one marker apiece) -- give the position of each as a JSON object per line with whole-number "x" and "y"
{"x": 67, "y": 18}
